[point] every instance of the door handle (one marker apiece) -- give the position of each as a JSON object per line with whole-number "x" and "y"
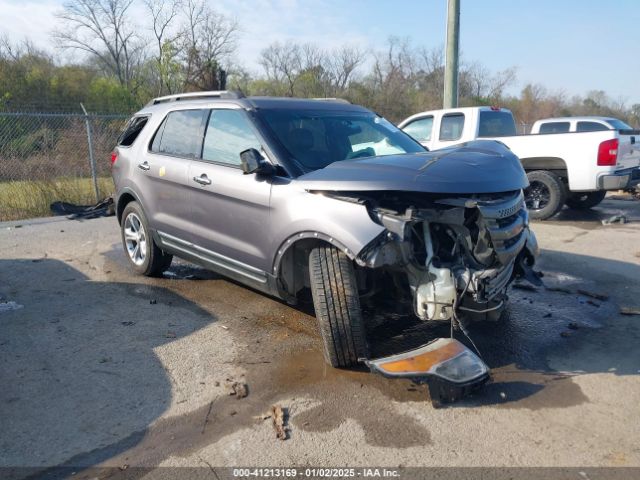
{"x": 144, "y": 166}
{"x": 202, "y": 180}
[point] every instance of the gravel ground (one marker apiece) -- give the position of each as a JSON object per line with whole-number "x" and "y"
{"x": 102, "y": 368}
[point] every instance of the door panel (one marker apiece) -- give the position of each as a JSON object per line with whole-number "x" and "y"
{"x": 165, "y": 168}
{"x": 166, "y": 198}
{"x": 231, "y": 214}
{"x": 230, "y": 210}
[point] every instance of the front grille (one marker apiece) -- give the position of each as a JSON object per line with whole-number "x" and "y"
{"x": 506, "y": 219}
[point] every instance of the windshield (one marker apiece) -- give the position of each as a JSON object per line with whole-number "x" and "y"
{"x": 316, "y": 139}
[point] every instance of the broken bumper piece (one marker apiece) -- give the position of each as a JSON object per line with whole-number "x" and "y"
{"x": 450, "y": 369}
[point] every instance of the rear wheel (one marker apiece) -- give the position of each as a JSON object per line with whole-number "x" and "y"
{"x": 585, "y": 200}
{"x": 337, "y": 306}
{"x": 545, "y": 195}
{"x": 145, "y": 257}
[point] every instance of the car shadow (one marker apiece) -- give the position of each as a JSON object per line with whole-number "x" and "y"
{"x": 593, "y": 217}
{"x": 81, "y": 377}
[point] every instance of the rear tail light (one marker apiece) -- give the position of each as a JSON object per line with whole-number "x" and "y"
{"x": 114, "y": 157}
{"x": 608, "y": 153}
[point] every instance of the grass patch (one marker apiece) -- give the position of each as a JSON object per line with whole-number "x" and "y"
{"x": 28, "y": 199}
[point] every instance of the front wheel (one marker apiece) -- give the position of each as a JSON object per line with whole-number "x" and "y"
{"x": 585, "y": 200}
{"x": 337, "y": 305}
{"x": 145, "y": 257}
{"x": 545, "y": 194}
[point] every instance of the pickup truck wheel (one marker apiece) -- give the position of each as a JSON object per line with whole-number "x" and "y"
{"x": 145, "y": 257}
{"x": 337, "y": 305}
{"x": 545, "y": 195}
{"x": 585, "y": 200}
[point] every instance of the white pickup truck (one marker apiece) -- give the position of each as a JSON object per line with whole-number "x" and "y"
{"x": 572, "y": 160}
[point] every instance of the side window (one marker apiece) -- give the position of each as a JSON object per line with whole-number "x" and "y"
{"x": 420, "y": 129}
{"x": 554, "y": 127}
{"x": 131, "y": 131}
{"x": 228, "y": 133}
{"x": 590, "y": 127}
{"x": 180, "y": 134}
{"x": 451, "y": 126}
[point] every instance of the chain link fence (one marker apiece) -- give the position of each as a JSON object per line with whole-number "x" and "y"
{"x": 47, "y": 157}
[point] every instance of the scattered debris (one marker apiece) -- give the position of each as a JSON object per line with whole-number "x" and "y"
{"x": 206, "y": 417}
{"x": 524, "y": 286}
{"x": 8, "y": 306}
{"x": 630, "y": 310}
{"x": 216, "y": 384}
{"x": 123, "y": 467}
{"x": 104, "y": 208}
{"x": 559, "y": 289}
{"x": 225, "y": 327}
{"x": 278, "y": 416}
{"x": 239, "y": 389}
{"x": 597, "y": 296}
{"x": 573, "y": 326}
{"x": 615, "y": 219}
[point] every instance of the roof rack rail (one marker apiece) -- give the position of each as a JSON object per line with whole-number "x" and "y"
{"x": 197, "y": 95}
{"x": 333, "y": 99}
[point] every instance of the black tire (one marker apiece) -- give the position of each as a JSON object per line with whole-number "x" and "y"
{"x": 546, "y": 194}
{"x": 337, "y": 306}
{"x": 152, "y": 261}
{"x": 585, "y": 200}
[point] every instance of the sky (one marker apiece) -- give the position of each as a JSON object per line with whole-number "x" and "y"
{"x": 569, "y": 46}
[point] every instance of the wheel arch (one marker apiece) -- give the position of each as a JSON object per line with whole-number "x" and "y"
{"x": 554, "y": 164}
{"x": 290, "y": 267}
{"x": 126, "y": 197}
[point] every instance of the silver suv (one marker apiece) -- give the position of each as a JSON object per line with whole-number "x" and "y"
{"x": 287, "y": 195}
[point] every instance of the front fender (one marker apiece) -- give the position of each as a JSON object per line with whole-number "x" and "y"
{"x": 301, "y": 215}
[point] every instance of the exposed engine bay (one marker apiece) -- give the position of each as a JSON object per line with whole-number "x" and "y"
{"x": 455, "y": 253}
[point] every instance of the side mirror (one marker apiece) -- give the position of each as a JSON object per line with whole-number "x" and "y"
{"x": 253, "y": 162}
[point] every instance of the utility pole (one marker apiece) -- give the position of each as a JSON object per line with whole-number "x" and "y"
{"x": 451, "y": 60}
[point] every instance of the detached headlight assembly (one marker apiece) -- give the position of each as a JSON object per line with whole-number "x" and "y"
{"x": 449, "y": 368}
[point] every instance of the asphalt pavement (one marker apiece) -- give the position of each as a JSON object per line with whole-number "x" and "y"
{"x": 101, "y": 368}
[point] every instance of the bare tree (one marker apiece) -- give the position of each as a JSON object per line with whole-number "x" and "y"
{"x": 282, "y": 63}
{"x": 208, "y": 40}
{"x": 343, "y": 63}
{"x": 102, "y": 29}
{"x": 15, "y": 51}
{"x": 163, "y": 16}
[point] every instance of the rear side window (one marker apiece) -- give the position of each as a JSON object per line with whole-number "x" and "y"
{"x": 618, "y": 124}
{"x": 496, "y": 124}
{"x": 228, "y": 133}
{"x": 590, "y": 127}
{"x": 180, "y": 134}
{"x": 554, "y": 127}
{"x": 420, "y": 129}
{"x": 131, "y": 131}
{"x": 451, "y": 126}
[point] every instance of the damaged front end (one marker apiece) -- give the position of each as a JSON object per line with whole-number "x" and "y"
{"x": 456, "y": 253}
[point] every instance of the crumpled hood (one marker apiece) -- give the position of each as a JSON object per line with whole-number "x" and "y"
{"x": 482, "y": 166}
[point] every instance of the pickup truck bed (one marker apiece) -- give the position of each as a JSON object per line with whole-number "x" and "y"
{"x": 572, "y": 160}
